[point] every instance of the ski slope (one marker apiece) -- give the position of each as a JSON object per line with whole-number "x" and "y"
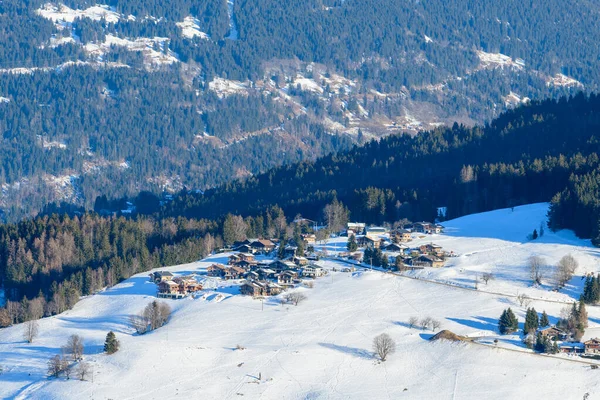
{"x": 321, "y": 349}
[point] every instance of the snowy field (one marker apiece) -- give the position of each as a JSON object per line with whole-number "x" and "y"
{"x": 321, "y": 349}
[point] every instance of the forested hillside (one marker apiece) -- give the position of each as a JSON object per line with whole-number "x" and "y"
{"x": 132, "y": 95}
{"x": 546, "y": 150}
{"x": 526, "y": 155}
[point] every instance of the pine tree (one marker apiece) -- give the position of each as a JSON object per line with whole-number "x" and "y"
{"x": 281, "y": 249}
{"x": 535, "y": 234}
{"x": 544, "y": 321}
{"x": 531, "y": 321}
{"x": 508, "y": 322}
{"x": 352, "y": 245}
{"x": 111, "y": 345}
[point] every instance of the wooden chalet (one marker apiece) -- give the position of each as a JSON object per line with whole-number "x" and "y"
{"x": 376, "y": 231}
{"x": 401, "y": 236}
{"x": 263, "y": 246}
{"x": 309, "y": 238}
{"x": 282, "y": 265}
{"x": 178, "y": 288}
{"x": 313, "y": 271}
{"x": 267, "y": 273}
{"x": 260, "y": 288}
{"x": 234, "y": 272}
{"x": 395, "y": 247}
{"x": 426, "y": 261}
{"x": 287, "y": 278}
{"x": 300, "y": 261}
{"x": 432, "y": 249}
{"x": 553, "y": 333}
{"x": 592, "y": 346}
{"x": 161, "y": 276}
{"x": 216, "y": 270}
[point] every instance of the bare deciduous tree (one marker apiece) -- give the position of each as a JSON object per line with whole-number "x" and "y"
{"x": 139, "y": 323}
{"x": 487, "y": 276}
{"x": 413, "y": 321}
{"x": 155, "y": 315}
{"x": 535, "y": 268}
{"x": 57, "y": 365}
{"x": 383, "y": 345}
{"x": 295, "y": 298}
{"x": 435, "y": 324}
{"x": 564, "y": 270}
{"x": 74, "y": 347}
{"x": 83, "y": 370}
{"x": 31, "y": 330}
{"x": 425, "y": 323}
{"x": 524, "y": 300}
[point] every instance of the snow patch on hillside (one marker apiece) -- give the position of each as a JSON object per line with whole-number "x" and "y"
{"x": 498, "y": 60}
{"x": 63, "y": 16}
{"x": 4, "y": 99}
{"x": 560, "y": 80}
{"x": 190, "y": 28}
{"x": 226, "y": 87}
{"x": 233, "y": 31}
{"x": 513, "y": 100}
{"x": 147, "y": 46}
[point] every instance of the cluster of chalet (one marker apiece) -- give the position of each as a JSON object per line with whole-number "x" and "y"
{"x": 429, "y": 255}
{"x": 398, "y": 235}
{"x": 266, "y": 278}
{"x": 566, "y": 343}
{"x": 172, "y": 287}
{"x": 254, "y": 246}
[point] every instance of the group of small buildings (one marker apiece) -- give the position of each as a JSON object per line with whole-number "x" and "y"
{"x": 396, "y": 241}
{"x": 172, "y": 287}
{"x": 568, "y": 345}
{"x": 255, "y": 246}
{"x": 266, "y": 278}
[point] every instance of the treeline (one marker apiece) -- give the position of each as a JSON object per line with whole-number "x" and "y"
{"x": 526, "y": 155}
{"x": 49, "y": 262}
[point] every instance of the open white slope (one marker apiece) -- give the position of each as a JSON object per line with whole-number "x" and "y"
{"x": 321, "y": 349}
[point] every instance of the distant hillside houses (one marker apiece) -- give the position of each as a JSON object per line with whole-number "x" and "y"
{"x": 174, "y": 287}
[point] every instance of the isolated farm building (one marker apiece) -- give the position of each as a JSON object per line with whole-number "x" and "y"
{"x": 263, "y": 246}
{"x": 427, "y": 261}
{"x": 160, "y": 276}
{"x": 401, "y": 236}
{"x": 592, "y": 346}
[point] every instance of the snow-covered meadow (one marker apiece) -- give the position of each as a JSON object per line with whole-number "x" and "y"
{"x": 321, "y": 349}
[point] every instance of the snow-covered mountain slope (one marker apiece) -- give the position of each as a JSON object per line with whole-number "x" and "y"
{"x": 321, "y": 349}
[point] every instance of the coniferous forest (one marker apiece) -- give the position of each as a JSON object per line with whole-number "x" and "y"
{"x": 546, "y": 151}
